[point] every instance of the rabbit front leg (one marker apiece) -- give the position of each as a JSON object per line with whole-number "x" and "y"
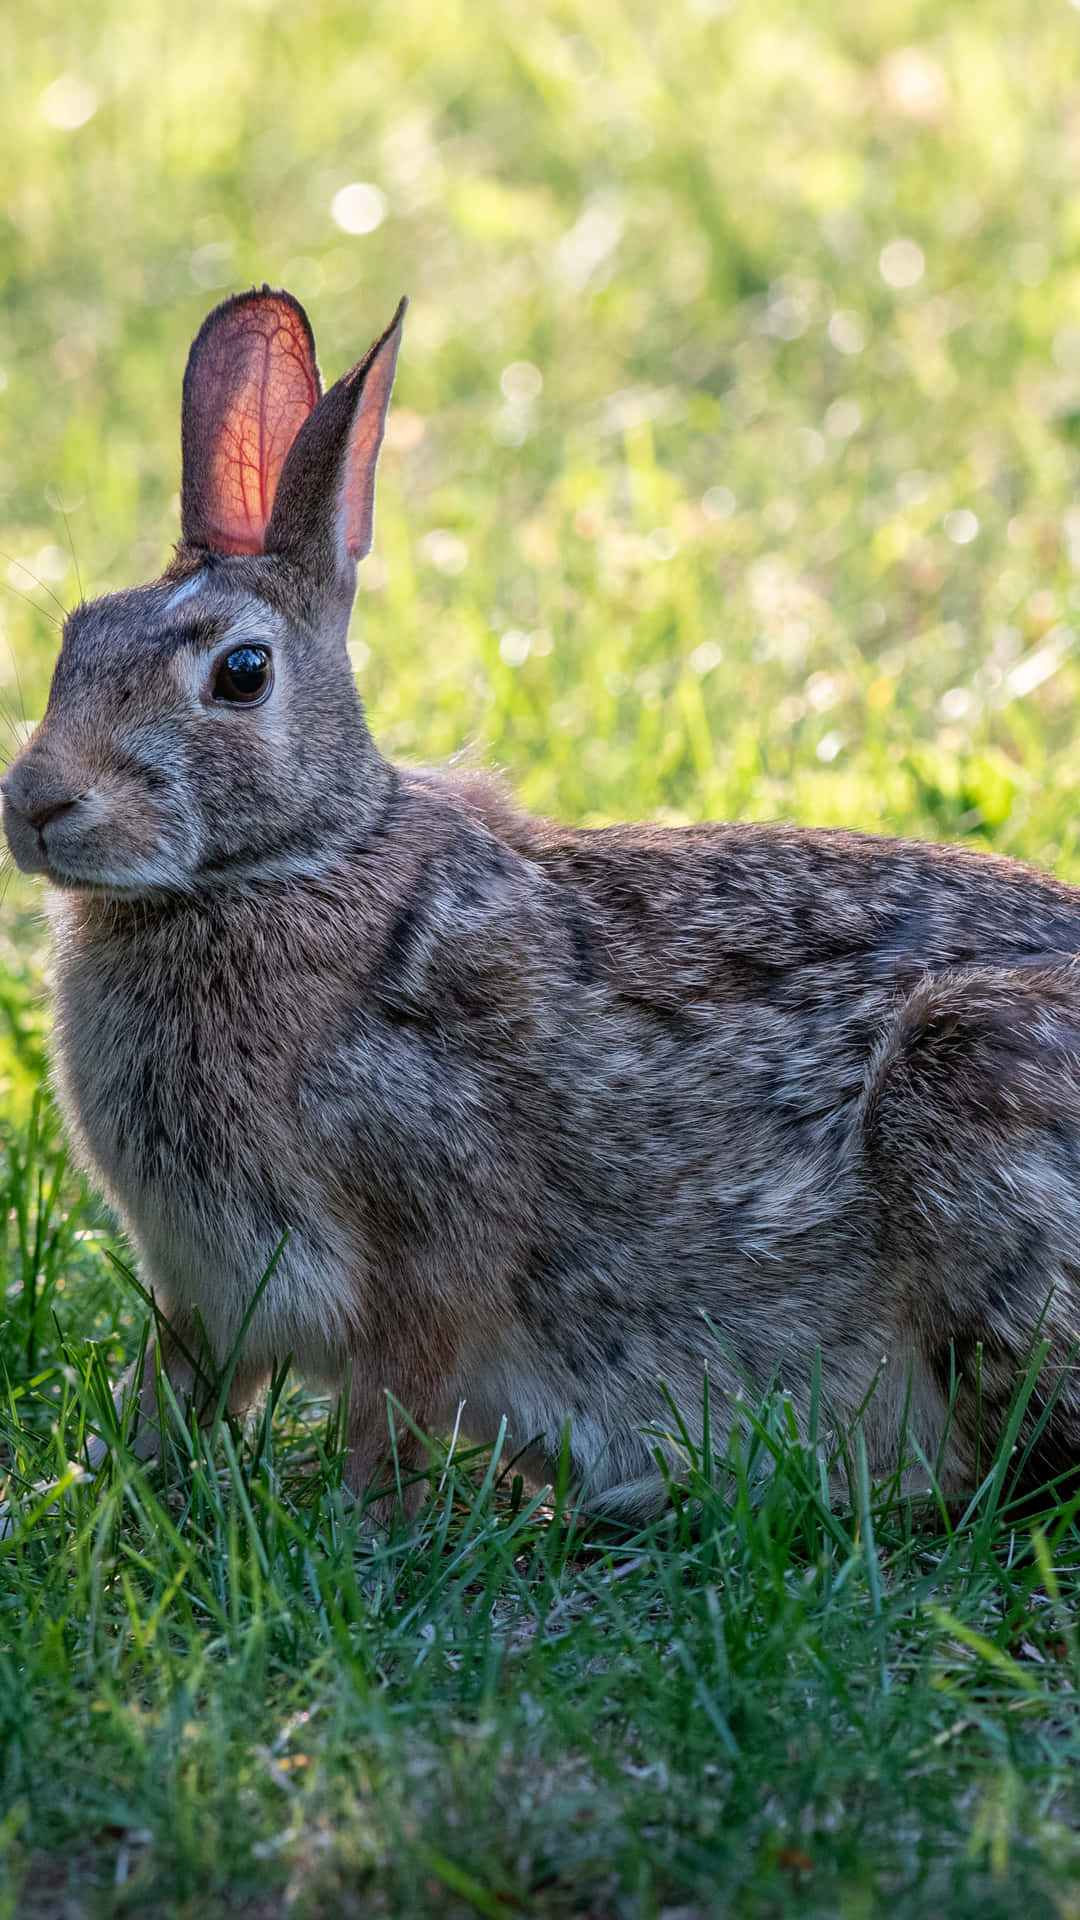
{"x": 401, "y": 1388}
{"x": 385, "y": 1458}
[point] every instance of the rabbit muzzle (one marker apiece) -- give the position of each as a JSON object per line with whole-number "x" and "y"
{"x": 69, "y": 823}
{"x": 35, "y": 798}
{"x": 45, "y": 818}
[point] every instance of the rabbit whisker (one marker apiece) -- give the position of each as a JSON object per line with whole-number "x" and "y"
{"x": 74, "y": 555}
{"x": 31, "y": 575}
{"x": 14, "y": 723}
{"x": 20, "y": 595}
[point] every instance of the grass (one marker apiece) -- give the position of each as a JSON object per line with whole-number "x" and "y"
{"x": 734, "y": 471}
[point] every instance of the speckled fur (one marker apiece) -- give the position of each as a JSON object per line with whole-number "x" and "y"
{"x": 538, "y": 1105}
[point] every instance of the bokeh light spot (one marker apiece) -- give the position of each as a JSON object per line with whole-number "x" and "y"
{"x": 68, "y": 103}
{"x": 902, "y": 263}
{"x": 359, "y": 207}
{"x": 961, "y": 526}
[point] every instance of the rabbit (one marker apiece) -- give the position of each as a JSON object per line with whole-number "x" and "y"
{"x": 542, "y": 1124}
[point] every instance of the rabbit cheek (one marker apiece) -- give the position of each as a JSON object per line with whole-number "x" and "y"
{"x": 239, "y": 800}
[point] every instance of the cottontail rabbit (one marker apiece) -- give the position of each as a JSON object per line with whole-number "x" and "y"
{"x": 551, "y": 1117}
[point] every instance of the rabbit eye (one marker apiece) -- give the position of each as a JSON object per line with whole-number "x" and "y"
{"x": 243, "y": 677}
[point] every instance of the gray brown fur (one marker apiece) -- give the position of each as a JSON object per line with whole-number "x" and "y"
{"x": 535, "y": 1104}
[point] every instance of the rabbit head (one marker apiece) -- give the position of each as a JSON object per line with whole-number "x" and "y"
{"x": 206, "y": 729}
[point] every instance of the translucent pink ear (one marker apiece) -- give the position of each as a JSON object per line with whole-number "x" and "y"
{"x": 375, "y": 378}
{"x": 324, "y": 509}
{"x": 251, "y": 382}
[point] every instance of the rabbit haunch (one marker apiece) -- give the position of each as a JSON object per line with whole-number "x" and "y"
{"x": 553, "y": 1118}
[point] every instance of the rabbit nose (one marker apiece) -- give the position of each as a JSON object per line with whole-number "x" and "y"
{"x": 36, "y": 809}
{"x": 40, "y": 816}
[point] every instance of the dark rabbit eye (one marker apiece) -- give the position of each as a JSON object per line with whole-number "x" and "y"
{"x": 243, "y": 676}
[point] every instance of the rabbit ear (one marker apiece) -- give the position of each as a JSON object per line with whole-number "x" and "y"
{"x": 251, "y": 382}
{"x": 324, "y": 508}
